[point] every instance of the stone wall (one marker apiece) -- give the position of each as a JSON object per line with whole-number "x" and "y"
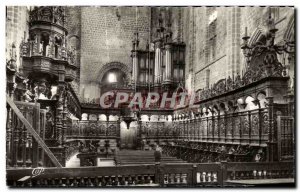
{"x": 106, "y": 38}
{"x": 73, "y": 25}
{"x": 202, "y": 69}
{"x": 212, "y": 50}
{"x": 16, "y": 30}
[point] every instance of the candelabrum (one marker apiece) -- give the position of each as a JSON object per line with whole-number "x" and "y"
{"x": 281, "y": 48}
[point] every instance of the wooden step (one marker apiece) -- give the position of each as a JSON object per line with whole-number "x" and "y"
{"x": 131, "y": 163}
{"x": 142, "y": 157}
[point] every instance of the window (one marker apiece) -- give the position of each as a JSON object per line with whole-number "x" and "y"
{"x": 212, "y": 34}
{"x": 212, "y": 39}
{"x": 207, "y": 78}
{"x": 111, "y": 78}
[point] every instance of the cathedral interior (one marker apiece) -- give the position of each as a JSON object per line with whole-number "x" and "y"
{"x": 66, "y": 67}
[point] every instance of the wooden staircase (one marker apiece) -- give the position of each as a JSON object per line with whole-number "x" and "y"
{"x": 20, "y": 129}
{"x": 129, "y": 157}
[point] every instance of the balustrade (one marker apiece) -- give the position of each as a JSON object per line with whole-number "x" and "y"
{"x": 263, "y": 170}
{"x": 22, "y": 150}
{"x": 163, "y": 175}
{"x": 26, "y": 131}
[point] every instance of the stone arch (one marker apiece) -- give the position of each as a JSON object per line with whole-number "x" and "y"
{"x": 256, "y": 36}
{"x": 74, "y": 41}
{"x": 289, "y": 33}
{"x": 180, "y": 89}
{"x": 114, "y": 65}
{"x": 75, "y": 36}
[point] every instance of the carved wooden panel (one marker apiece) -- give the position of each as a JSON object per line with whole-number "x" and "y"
{"x": 222, "y": 126}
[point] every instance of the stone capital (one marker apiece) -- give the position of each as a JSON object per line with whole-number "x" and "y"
{"x": 168, "y": 46}
{"x": 158, "y": 44}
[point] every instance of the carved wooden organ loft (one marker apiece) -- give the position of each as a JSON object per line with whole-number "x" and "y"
{"x": 247, "y": 118}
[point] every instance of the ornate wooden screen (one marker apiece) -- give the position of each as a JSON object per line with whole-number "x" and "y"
{"x": 94, "y": 129}
{"x": 25, "y": 134}
{"x": 286, "y": 141}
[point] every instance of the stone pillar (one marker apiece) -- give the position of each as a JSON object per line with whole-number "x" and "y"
{"x": 147, "y": 67}
{"x": 135, "y": 67}
{"x": 157, "y": 63}
{"x": 168, "y": 61}
{"x": 233, "y": 41}
{"x": 135, "y": 62}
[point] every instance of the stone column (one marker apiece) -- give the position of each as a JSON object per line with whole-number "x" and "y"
{"x": 135, "y": 67}
{"x": 233, "y": 41}
{"x": 147, "y": 67}
{"x": 135, "y": 62}
{"x": 157, "y": 63}
{"x": 168, "y": 62}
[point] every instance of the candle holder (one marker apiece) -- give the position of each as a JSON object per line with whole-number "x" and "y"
{"x": 283, "y": 47}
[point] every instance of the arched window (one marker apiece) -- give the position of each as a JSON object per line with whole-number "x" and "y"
{"x": 212, "y": 33}
{"x": 112, "y": 78}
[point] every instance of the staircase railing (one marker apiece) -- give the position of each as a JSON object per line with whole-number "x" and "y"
{"x": 24, "y": 140}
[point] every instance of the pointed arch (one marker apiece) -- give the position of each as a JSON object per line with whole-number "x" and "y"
{"x": 256, "y": 36}
{"x": 290, "y": 32}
